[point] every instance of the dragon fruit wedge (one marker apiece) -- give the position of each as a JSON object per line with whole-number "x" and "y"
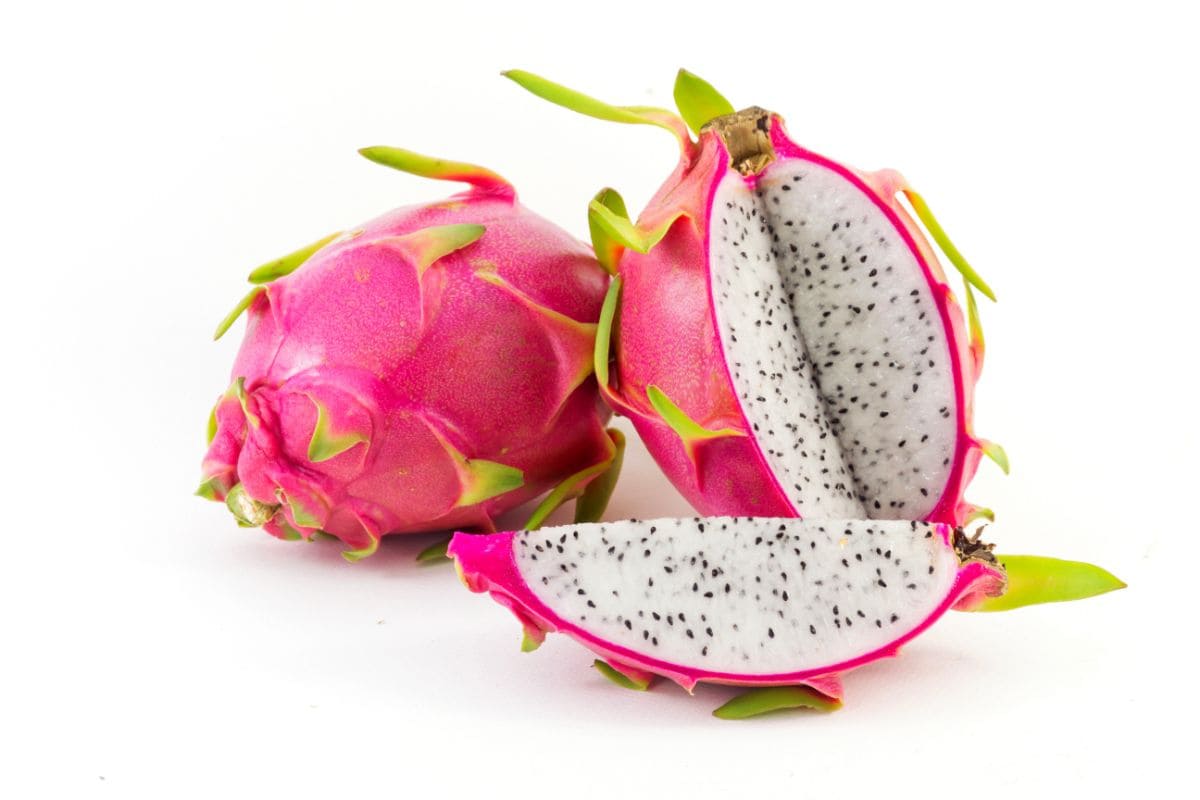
{"x": 424, "y": 371}
{"x": 785, "y": 340}
{"x": 750, "y": 601}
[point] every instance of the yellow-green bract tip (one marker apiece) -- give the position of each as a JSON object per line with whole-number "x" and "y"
{"x": 687, "y": 428}
{"x": 619, "y": 678}
{"x": 775, "y": 698}
{"x": 996, "y": 453}
{"x": 434, "y": 553}
{"x": 698, "y": 102}
{"x": 237, "y": 311}
{"x": 488, "y": 479}
{"x": 1039, "y": 579}
{"x": 592, "y": 503}
{"x": 431, "y": 167}
{"x": 289, "y": 263}
{"x": 607, "y": 249}
{"x": 939, "y": 235}
{"x": 358, "y": 555}
{"x": 325, "y": 444}
{"x": 608, "y": 312}
{"x": 583, "y": 104}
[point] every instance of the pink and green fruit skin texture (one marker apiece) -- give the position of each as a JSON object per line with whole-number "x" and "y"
{"x": 783, "y": 337}
{"x": 425, "y": 371}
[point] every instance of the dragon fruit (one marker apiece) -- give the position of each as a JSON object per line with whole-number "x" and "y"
{"x": 786, "y": 343}
{"x": 750, "y": 601}
{"x": 425, "y": 371}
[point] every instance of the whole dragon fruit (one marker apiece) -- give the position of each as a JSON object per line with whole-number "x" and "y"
{"x": 761, "y": 602}
{"x": 424, "y": 371}
{"x": 786, "y": 343}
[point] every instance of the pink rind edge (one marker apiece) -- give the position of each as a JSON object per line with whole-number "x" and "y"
{"x": 486, "y": 564}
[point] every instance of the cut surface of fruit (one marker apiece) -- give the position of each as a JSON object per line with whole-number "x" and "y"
{"x": 834, "y": 341}
{"x": 755, "y": 601}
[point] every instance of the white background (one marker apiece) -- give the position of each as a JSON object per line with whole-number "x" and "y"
{"x": 152, "y": 153}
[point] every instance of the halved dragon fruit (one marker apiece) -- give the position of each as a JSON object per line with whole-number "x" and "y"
{"x": 749, "y": 601}
{"x": 786, "y": 343}
{"x": 425, "y": 371}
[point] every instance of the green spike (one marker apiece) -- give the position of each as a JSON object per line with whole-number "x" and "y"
{"x": 564, "y": 491}
{"x": 246, "y": 510}
{"x": 996, "y": 453}
{"x": 212, "y": 425}
{"x": 604, "y": 473}
{"x": 974, "y": 326}
{"x": 429, "y": 244}
{"x": 608, "y": 250}
{"x": 617, "y": 227}
{"x": 354, "y": 556}
{"x": 434, "y": 553}
{"x": 237, "y": 311}
{"x": 775, "y": 698}
{"x": 688, "y": 429}
{"x": 591, "y": 504}
{"x": 587, "y": 329}
{"x": 302, "y": 515}
{"x": 212, "y": 487}
{"x": 325, "y": 444}
{"x": 590, "y": 106}
{"x": 1039, "y": 579}
{"x": 489, "y": 479}
{"x": 608, "y": 313}
{"x": 290, "y": 534}
{"x": 939, "y": 235}
{"x": 529, "y": 643}
{"x": 238, "y": 390}
{"x": 978, "y": 513}
{"x": 698, "y": 102}
{"x": 428, "y": 167}
{"x": 289, "y": 263}
{"x": 619, "y": 678}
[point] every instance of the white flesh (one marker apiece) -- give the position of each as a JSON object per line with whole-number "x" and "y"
{"x": 741, "y": 595}
{"x": 836, "y": 347}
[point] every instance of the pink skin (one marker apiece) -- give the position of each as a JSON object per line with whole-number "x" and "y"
{"x": 419, "y": 366}
{"x": 486, "y": 564}
{"x": 668, "y": 289}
